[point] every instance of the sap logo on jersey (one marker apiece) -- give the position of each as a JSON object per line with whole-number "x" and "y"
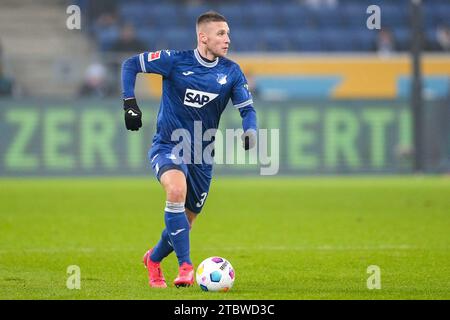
{"x": 198, "y": 99}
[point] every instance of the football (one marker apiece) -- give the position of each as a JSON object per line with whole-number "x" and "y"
{"x": 215, "y": 274}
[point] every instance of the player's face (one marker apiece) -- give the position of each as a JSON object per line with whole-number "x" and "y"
{"x": 217, "y": 38}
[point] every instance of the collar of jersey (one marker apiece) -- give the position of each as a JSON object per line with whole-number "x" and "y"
{"x": 203, "y": 62}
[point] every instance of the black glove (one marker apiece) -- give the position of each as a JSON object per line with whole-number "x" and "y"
{"x": 249, "y": 139}
{"x": 133, "y": 115}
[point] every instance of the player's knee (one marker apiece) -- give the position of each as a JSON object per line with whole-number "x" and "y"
{"x": 176, "y": 193}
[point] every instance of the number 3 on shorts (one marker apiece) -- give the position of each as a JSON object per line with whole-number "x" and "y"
{"x": 202, "y": 200}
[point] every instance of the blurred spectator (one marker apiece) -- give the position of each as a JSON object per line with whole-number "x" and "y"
{"x": 127, "y": 44}
{"x": 99, "y": 8}
{"x": 127, "y": 41}
{"x": 106, "y": 20}
{"x": 6, "y": 83}
{"x": 385, "y": 43}
{"x": 95, "y": 82}
{"x": 106, "y": 30}
{"x": 443, "y": 38}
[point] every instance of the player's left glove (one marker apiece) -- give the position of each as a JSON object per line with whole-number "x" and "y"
{"x": 249, "y": 139}
{"x": 133, "y": 115}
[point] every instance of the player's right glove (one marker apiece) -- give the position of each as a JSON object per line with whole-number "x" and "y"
{"x": 133, "y": 115}
{"x": 249, "y": 139}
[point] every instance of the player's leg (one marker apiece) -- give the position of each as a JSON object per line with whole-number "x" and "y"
{"x": 164, "y": 247}
{"x": 174, "y": 182}
{"x": 175, "y": 237}
{"x": 160, "y": 165}
{"x": 191, "y": 216}
{"x": 177, "y": 223}
{"x": 198, "y": 185}
{"x": 186, "y": 271}
{"x": 198, "y": 182}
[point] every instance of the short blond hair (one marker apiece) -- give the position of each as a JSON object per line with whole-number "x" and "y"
{"x": 210, "y": 16}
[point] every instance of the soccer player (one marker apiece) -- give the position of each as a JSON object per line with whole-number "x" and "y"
{"x": 197, "y": 85}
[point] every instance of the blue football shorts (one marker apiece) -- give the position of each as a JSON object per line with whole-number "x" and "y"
{"x": 198, "y": 177}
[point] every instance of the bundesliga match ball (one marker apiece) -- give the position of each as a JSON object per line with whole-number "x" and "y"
{"x": 215, "y": 274}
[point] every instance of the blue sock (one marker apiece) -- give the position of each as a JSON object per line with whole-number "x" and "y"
{"x": 177, "y": 226}
{"x": 163, "y": 248}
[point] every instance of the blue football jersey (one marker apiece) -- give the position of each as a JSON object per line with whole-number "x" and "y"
{"x": 194, "y": 90}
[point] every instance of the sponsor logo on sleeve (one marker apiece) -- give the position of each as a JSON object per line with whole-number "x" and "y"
{"x": 154, "y": 55}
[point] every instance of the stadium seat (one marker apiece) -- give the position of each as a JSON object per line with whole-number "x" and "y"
{"x": 365, "y": 38}
{"x": 149, "y": 37}
{"x": 235, "y": 14}
{"x": 309, "y": 40}
{"x": 431, "y": 39}
{"x": 190, "y": 13}
{"x": 261, "y": 15}
{"x": 107, "y": 37}
{"x": 326, "y": 18}
{"x": 339, "y": 40}
{"x": 393, "y": 16}
{"x": 277, "y": 39}
{"x": 354, "y": 15}
{"x": 245, "y": 40}
{"x": 133, "y": 12}
{"x": 443, "y": 13}
{"x": 295, "y": 16}
{"x": 163, "y": 15}
{"x": 402, "y": 37}
{"x": 179, "y": 38}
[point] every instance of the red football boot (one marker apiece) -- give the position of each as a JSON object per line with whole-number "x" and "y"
{"x": 155, "y": 275}
{"x": 185, "y": 276}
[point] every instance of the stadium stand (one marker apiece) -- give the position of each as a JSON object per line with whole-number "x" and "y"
{"x": 40, "y": 49}
{"x": 293, "y": 25}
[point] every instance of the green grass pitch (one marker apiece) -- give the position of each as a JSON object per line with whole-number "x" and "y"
{"x": 302, "y": 238}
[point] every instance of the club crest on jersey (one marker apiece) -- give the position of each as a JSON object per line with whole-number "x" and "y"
{"x": 198, "y": 99}
{"x": 221, "y": 78}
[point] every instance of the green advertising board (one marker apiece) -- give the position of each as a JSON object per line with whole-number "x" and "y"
{"x": 318, "y": 137}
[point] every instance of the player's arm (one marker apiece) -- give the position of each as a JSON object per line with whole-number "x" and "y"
{"x": 243, "y": 101}
{"x": 249, "y": 124}
{"x": 159, "y": 62}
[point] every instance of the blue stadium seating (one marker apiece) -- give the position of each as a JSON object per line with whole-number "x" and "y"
{"x": 150, "y": 37}
{"x": 270, "y": 25}
{"x": 244, "y": 40}
{"x": 107, "y": 37}
{"x": 340, "y": 40}
{"x": 260, "y": 15}
{"x": 276, "y": 39}
{"x": 402, "y": 38}
{"x": 234, "y": 14}
{"x": 364, "y": 38}
{"x": 309, "y": 40}
{"x": 393, "y": 17}
{"x": 330, "y": 17}
{"x": 295, "y": 16}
